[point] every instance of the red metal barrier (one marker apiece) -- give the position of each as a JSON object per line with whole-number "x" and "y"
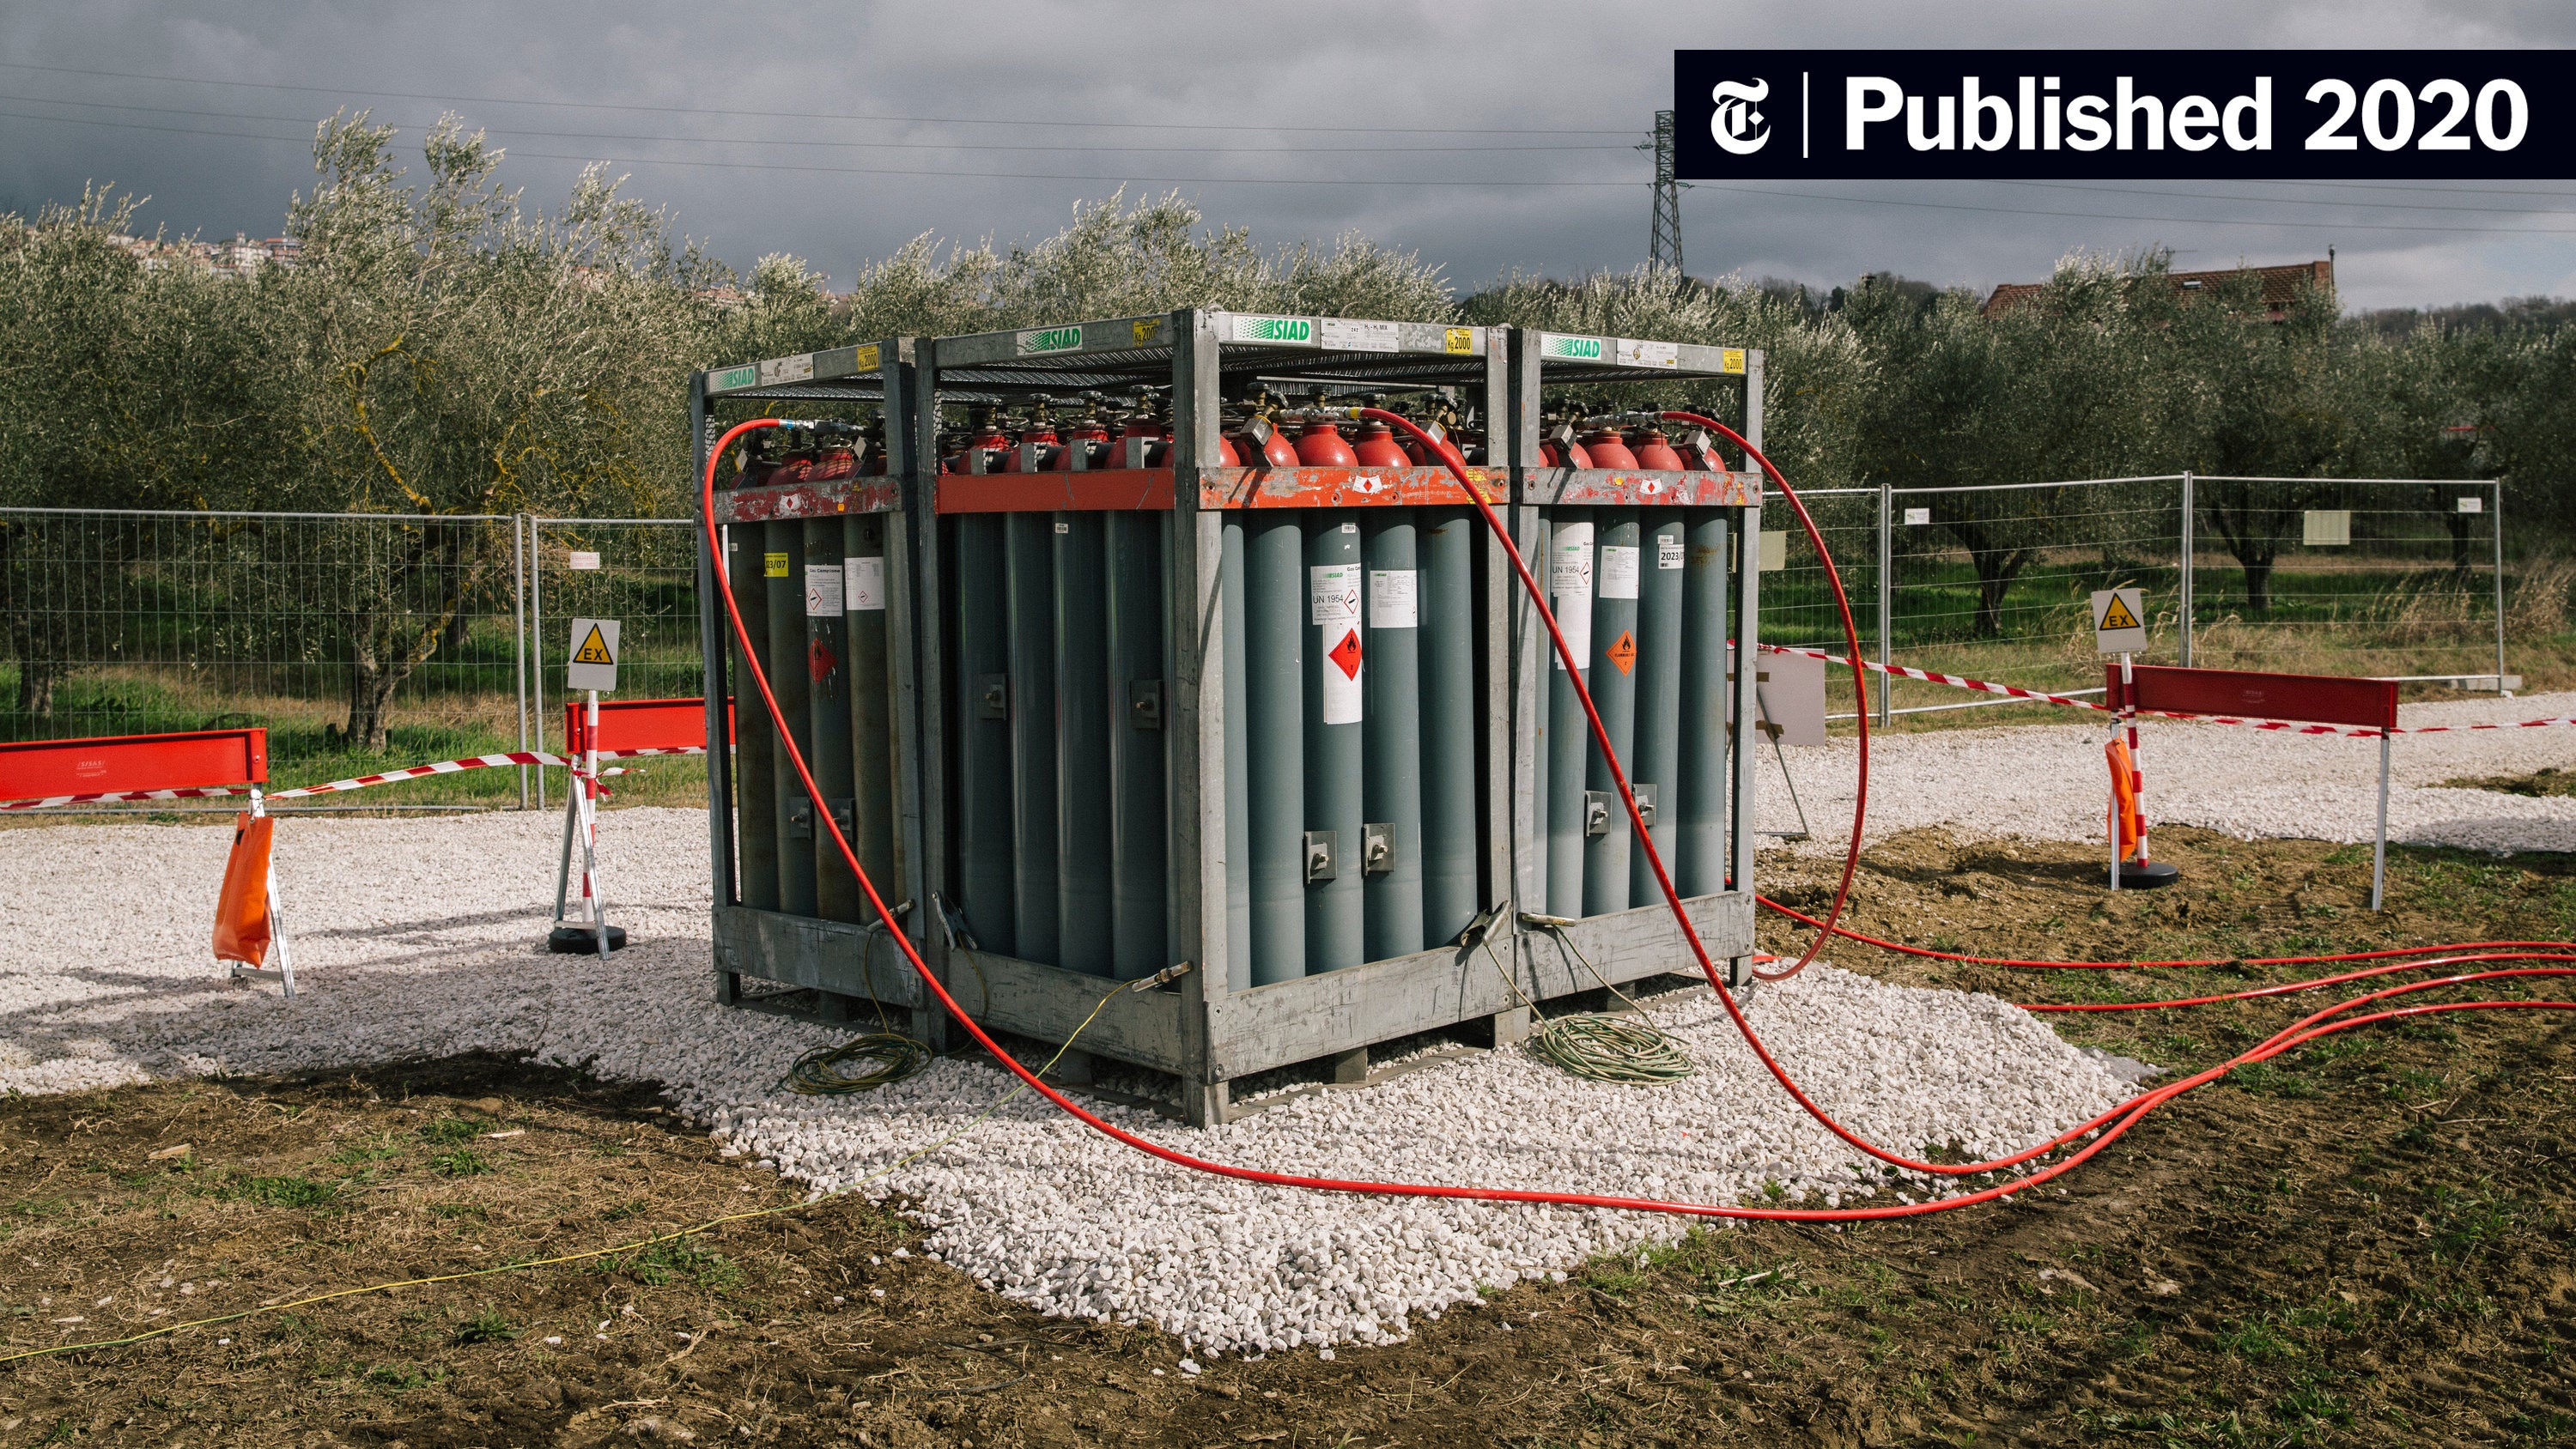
{"x": 642, "y": 724}
{"x": 33, "y": 769}
{"x": 2305, "y": 698}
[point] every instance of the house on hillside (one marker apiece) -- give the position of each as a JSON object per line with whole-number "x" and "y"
{"x": 2279, "y": 285}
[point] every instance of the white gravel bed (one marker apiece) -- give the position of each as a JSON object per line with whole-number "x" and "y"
{"x": 2050, "y": 782}
{"x": 419, "y": 938}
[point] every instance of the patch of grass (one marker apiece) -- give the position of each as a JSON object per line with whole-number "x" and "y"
{"x": 403, "y": 1377}
{"x": 2270, "y": 1080}
{"x": 285, "y": 1192}
{"x": 459, "y": 1210}
{"x": 38, "y": 1207}
{"x": 2257, "y": 1340}
{"x": 461, "y": 1162}
{"x": 2549, "y": 781}
{"x": 376, "y": 1151}
{"x": 487, "y": 1327}
{"x": 682, "y": 1258}
{"x": 453, "y": 1129}
{"x": 618, "y": 1212}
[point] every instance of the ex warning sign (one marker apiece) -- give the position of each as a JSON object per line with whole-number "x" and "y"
{"x": 2119, "y": 621}
{"x": 594, "y": 655}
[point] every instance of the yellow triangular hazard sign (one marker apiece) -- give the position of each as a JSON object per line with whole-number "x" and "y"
{"x": 594, "y": 650}
{"x": 2117, "y": 616}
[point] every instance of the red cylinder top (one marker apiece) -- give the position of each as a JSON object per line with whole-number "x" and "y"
{"x": 1276, "y": 451}
{"x": 835, "y": 465}
{"x": 1321, "y": 445}
{"x": 1376, "y": 447}
{"x": 1039, "y": 433}
{"x": 1083, "y": 436}
{"x": 1654, "y": 450}
{"x": 1607, "y": 450}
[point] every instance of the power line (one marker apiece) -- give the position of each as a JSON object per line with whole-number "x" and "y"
{"x": 852, "y": 145}
{"x": 809, "y": 116}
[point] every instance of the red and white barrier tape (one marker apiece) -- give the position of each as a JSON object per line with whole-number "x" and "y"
{"x": 2012, "y": 691}
{"x": 2044, "y": 697}
{"x": 360, "y": 782}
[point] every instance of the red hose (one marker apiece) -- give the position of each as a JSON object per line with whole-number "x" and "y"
{"x": 1860, "y": 684}
{"x": 2127, "y": 1115}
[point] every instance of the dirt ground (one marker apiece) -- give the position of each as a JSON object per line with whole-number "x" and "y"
{"x": 2364, "y": 1243}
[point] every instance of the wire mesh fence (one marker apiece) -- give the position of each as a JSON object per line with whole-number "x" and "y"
{"x": 640, "y": 571}
{"x": 2392, "y": 578}
{"x": 351, "y": 638}
{"x": 2398, "y": 578}
{"x": 361, "y": 641}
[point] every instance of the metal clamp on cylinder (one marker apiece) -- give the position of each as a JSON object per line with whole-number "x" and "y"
{"x": 1377, "y": 848}
{"x": 1596, "y": 812}
{"x": 1645, "y": 803}
{"x": 800, "y": 817}
{"x": 1319, "y": 857}
{"x": 1145, "y": 703}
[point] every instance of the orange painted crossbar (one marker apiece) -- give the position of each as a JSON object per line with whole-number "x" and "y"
{"x": 33, "y": 769}
{"x": 642, "y": 724}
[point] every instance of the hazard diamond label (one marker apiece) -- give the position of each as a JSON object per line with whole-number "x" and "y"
{"x": 1622, "y": 651}
{"x": 1346, "y": 655}
{"x": 1342, "y": 698}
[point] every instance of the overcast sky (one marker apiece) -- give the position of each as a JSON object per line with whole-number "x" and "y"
{"x": 769, "y": 127}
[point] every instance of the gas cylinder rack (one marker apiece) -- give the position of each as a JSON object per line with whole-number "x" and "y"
{"x": 1640, "y": 537}
{"x": 820, "y": 551}
{"x": 1223, "y": 688}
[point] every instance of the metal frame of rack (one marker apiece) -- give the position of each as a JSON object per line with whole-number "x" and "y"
{"x": 1640, "y": 939}
{"x": 1211, "y": 1028}
{"x": 854, "y": 972}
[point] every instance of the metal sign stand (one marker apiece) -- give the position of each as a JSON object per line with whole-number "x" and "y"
{"x": 581, "y": 820}
{"x": 591, "y": 667}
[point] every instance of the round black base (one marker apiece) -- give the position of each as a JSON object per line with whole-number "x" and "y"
{"x": 578, "y": 940}
{"x": 2133, "y": 876}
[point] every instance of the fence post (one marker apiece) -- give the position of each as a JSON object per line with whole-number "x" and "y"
{"x": 1886, "y": 606}
{"x": 537, "y": 648}
{"x": 519, "y": 629}
{"x": 2190, "y": 551}
{"x": 2496, "y": 507}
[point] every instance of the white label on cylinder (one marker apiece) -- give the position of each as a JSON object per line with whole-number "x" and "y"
{"x": 866, "y": 574}
{"x": 1391, "y": 599}
{"x": 1618, "y": 571}
{"x": 1668, "y": 550}
{"x": 1333, "y": 596}
{"x": 822, "y": 591}
{"x": 1569, "y": 584}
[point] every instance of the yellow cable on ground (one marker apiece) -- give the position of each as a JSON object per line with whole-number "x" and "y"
{"x": 525, "y": 1263}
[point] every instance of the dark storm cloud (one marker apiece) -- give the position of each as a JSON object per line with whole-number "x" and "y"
{"x": 1477, "y": 77}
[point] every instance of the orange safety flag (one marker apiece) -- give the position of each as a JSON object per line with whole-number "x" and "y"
{"x": 2124, "y": 797}
{"x": 242, "y": 924}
